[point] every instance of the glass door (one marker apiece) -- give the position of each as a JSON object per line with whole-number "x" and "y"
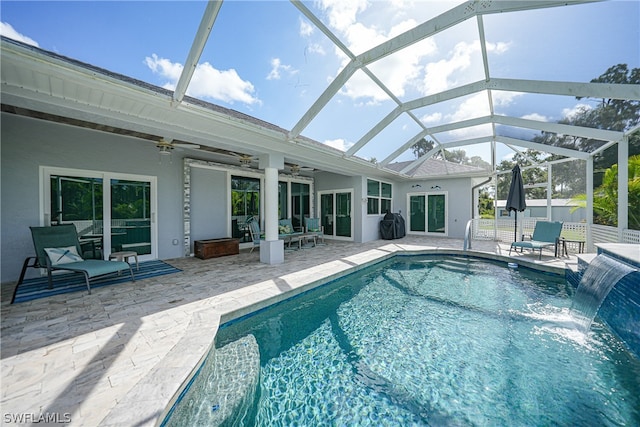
{"x": 417, "y": 207}
{"x": 343, "y": 214}
{"x": 335, "y": 213}
{"x": 300, "y": 204}
{"x": 111, "y": 212}
{"x": 427, "y": 213}
{"x": 326, "y": 213}
{"x": 131, "y": 216}
{"x": 437, "y": 220}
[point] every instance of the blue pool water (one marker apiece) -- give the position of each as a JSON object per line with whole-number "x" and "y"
{"x": 418, "y": 341}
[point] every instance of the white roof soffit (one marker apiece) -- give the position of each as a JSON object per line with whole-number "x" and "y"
{"x": 41, "y": 81}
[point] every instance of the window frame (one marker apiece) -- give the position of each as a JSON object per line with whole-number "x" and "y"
{"x": 378, "y": 199}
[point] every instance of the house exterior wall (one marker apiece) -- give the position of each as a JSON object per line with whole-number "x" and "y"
{"x": 209, "y": 213}
{"x": 458, "y": 192}
{"x": 326, "y": 181}
{"x": 28, "y": 144}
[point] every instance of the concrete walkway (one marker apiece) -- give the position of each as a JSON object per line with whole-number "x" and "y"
{"x": 117, "y": 357}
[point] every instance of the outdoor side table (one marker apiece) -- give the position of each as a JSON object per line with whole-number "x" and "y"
{"x": 124, "y": 256}
{"x": 564, "y": 242}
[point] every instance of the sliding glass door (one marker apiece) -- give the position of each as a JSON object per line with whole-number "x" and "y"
{"x": 336, "y": 209}
{"x": 427, "y": 213}
{"x": 131, "y": 216}
{"x": 111, "y": 212}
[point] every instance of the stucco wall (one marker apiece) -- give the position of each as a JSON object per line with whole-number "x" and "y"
{"x": 209, "y": 213}
{"x": 28, "y": 144}
{"x": 458, "y": 192}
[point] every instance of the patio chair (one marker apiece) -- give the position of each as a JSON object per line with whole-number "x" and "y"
{"x": 58, "y": 248}
{"x": 313, "y": 226}
{"x": 546, "y": 233}
{"x": 254, "y": 231}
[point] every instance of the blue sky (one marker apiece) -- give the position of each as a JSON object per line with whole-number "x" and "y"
{"x": 264, "y": 58}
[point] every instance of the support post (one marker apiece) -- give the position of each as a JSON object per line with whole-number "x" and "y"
{"x": 623, "y": 186}
{"x": 271, "y": 248}
{"x": 589, "y": 202}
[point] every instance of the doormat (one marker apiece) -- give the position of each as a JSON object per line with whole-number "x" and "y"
{"x": 36, "y": 288}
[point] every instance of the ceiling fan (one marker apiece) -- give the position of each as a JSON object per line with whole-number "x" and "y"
{"x": 245, "y": 159}
{"x": 295, "y": 169}
{"x": 166, "y": 146}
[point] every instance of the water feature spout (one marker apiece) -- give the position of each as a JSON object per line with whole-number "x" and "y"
{"x": 599, "y": 278}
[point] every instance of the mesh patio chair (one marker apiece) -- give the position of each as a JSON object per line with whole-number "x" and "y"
{"x": 58, "y": 248}
{"x": 545, "y": 234}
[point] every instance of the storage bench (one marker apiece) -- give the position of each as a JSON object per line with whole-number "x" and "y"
{"x": 212, "y": 248}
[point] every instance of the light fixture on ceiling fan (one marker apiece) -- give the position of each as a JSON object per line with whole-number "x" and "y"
{"x": 244, "y": 159}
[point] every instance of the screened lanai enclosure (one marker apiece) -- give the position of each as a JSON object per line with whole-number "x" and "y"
{"x": 384, "y": 103}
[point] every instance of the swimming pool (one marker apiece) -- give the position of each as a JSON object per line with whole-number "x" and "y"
{"x": 417, "y": 341}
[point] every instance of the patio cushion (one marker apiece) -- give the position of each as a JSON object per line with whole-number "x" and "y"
{"x": 64, "y": 255}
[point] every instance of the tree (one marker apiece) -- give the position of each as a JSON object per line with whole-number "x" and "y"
{"x": 605, "y": 197}
{"x": 422, "y": 147}
{"x": 611, "y": 114}
{"x": 529, "y": 175}
{"x": 485, "y": 204}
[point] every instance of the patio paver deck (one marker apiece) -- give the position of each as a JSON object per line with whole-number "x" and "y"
{"x": 116, "y": 357}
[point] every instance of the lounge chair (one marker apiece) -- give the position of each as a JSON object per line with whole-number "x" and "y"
{"x": 58, "y": 248}
{"x": 313, "y": 226}
{"x": 545, "y": 234}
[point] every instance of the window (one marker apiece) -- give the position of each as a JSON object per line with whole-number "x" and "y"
{"x": 378, "y": 197}
{"x": 245, "y": 204}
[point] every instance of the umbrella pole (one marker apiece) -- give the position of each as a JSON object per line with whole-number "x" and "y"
{"x": 515, "y": 228}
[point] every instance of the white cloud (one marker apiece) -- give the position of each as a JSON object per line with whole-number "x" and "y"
{"x": 316, "y": 48}
{"x": 571, "y": 113}
{"x": 342, "y": 14}
{"x": 277, "y": 67}
{"x": 339, "y": 143}
{"x": 306, "y": 29}
{"x": 536, "y": 116}
{"x": 438, "y": 75}
{"x": 207, "y": 81}
{"x": 431, "y": 118}
{"x": 397, "y": 71}
{"x": 7, "y": 30}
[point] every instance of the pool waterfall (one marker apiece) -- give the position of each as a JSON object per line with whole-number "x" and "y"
{"x": 600, "y": 277}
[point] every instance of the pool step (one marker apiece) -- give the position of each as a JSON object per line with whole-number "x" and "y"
{"x": 223, "y": 391}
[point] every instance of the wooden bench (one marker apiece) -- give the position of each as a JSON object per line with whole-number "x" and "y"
{"x": 213, "y": 248}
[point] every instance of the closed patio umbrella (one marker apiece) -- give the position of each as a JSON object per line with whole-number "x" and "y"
{"x": 515, "y": 199}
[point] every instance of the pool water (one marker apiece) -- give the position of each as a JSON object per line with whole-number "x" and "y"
{"x": 418, "y": 341}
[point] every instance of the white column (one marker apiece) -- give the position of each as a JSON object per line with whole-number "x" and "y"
{"x": 271, "y": 248}
{"x": 589, "y": 202}
{"x": 623, "y": 186}
{"x": 549, "y": 192}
